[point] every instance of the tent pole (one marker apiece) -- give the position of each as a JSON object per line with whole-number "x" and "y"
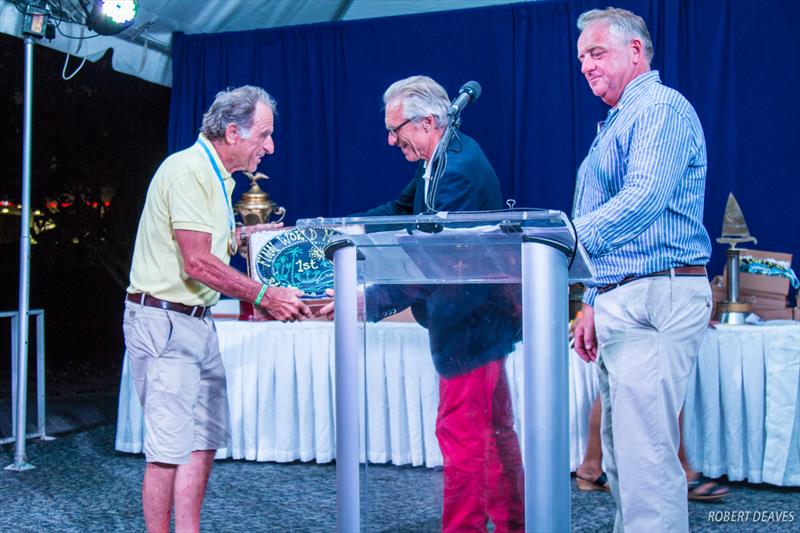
{"x": 24, "y": 265}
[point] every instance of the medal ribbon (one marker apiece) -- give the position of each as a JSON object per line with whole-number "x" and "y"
{"x": 231, "y": 220}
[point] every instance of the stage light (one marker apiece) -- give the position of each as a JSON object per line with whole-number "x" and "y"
{"x": 35, "y": 19}
{"x": 109, "y": 17}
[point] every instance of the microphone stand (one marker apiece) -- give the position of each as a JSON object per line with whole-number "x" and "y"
{"x": 439, "y": 160}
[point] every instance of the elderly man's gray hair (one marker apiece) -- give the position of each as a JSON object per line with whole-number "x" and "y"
{"x": 622, "y": 23}
{"x": 235, "y": 106}
{"x": 421, "y": 96}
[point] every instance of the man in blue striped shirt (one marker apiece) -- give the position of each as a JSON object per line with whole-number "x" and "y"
{"x": 638, "y": 211}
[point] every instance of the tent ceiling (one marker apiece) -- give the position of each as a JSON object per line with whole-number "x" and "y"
{"x": 144, "y": 49}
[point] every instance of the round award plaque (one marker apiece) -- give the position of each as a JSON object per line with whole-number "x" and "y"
{"x": 295, "y": 257}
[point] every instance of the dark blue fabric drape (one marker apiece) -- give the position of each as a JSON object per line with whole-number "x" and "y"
{"x": 735, "y": 60}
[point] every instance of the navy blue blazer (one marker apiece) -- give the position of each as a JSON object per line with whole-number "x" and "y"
{"x": 468, "y": 325}
{"x": 468, "y": 184}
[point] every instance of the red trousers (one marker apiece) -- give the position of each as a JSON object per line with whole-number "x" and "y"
{"x": 483, "y": 476}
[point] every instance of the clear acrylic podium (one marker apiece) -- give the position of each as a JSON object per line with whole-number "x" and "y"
{"x": 535, "y": 252}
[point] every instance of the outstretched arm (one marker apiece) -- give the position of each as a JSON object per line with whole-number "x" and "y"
{"x": 203, "y": 266}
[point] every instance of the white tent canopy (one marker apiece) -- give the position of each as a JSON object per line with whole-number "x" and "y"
{"x": 143, "y": 50}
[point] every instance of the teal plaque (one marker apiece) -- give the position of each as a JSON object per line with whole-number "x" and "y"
{"x": 294, "y": 257}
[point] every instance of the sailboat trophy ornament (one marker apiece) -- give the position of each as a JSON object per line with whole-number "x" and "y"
{"x": 734, "y": 231}
{"x": 255, "y": 205}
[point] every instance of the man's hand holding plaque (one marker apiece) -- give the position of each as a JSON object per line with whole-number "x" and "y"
{"x": 327, "y": 311}
{"x": 279, "y": 303}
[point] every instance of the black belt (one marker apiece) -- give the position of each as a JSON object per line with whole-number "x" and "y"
{"x": 693, "y": 270}
{"x": 196, "y": 311}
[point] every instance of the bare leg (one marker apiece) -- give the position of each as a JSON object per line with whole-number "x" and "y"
{"x": 157, "y": 496}
{"x": 700, "y": 489}
{"x": 592, "y": 465}
{"x": 190, "y": 488}
{"x": 691, "y": 475}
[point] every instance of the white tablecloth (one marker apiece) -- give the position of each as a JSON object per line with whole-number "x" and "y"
{"x": 281, "y": 394}
{"x": 742, "y": 413}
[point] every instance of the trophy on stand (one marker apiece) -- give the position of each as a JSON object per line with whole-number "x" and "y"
{"x": 734, "y": 231}
{"x": 255, "y": 207}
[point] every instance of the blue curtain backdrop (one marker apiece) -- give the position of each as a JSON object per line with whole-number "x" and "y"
{"x": 735, "y": 60}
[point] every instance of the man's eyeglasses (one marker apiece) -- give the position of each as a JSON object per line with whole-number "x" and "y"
{"x": 393, "y": 131}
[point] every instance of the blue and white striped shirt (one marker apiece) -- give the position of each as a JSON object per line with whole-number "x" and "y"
{"x": 639, "y": 195}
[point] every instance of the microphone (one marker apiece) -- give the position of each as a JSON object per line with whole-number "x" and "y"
{"x": 469, "y": 92}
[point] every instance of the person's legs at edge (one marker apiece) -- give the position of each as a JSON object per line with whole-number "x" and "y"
{"x": 690, "y": 474}
{"x": 700, "y": 488}
{"x": 463, "y": 428}
{"x": 506, "y": 485}
{"x": 592, "y": 466}
{"x": 607, "y": 439}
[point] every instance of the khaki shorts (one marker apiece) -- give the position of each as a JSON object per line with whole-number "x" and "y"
{"x": 180, "y": 379}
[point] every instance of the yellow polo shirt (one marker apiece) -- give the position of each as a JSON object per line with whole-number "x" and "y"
{"x": 185, "y": 194}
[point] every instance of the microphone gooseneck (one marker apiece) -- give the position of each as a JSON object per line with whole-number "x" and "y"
{"x": 469, "y": 92}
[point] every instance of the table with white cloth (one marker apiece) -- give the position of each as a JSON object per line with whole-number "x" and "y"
{"x": 742, "y": 411}
{"x": 281, "y": 394}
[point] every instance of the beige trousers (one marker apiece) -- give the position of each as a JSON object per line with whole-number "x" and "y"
{"x": 649, "y": 332}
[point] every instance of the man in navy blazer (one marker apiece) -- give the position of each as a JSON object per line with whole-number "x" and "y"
{"x": 472, "y": 328}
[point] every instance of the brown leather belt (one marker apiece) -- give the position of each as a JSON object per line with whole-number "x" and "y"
{"x": 196, "y": 311}
{"x": 693, "y": 270}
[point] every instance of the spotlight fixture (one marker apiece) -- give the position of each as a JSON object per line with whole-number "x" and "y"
{"x": 109, "y": 17}
{"x": 35, "y": 19}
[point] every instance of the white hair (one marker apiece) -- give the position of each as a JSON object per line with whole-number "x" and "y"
{"x": 622, "y": 23}
{"x": 421, "y": 96}
{"x": 235, "y": 106}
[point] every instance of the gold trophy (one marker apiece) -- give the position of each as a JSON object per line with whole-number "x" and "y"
{"x": 255, "y": 207}
{"x": 734, "y": 231}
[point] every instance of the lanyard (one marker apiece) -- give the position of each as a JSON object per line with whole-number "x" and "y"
{"x": 231, "y": 220}
{"x": 233, "y": 246}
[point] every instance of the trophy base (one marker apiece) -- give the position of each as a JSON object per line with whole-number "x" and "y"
{"x": 733, "y": 313}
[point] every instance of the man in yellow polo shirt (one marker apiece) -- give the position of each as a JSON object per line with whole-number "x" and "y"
{"x": 180, "y": 266}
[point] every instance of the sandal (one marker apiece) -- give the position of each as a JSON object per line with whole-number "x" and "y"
{"x": 601, "y": 483}
{"x": 704, "y": 489}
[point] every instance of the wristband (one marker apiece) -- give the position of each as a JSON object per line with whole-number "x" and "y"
{"x": 260, "y": 296}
